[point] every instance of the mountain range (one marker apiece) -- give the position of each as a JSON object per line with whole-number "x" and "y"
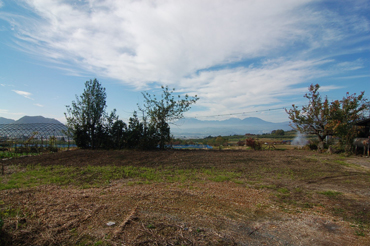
{"x": 29, "y": 120}
{"x": 191, "y": 127}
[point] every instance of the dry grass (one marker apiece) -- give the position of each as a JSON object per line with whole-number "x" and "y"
{"x": 278, "y": 198}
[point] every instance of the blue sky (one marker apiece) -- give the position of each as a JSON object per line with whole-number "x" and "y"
{"x": 242, "y": 58}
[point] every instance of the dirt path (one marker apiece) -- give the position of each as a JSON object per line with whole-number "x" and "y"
{"x": 363, "y": 161}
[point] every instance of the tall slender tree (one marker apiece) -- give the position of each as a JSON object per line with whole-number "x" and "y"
{"x": 87, "y": 115}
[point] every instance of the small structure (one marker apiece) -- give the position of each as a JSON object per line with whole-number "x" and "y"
{"x": 363, "y": 142}
{"x": 365, "y": 123}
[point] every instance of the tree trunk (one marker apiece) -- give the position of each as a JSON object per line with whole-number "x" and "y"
{"x": 320, "y": 145}
{"x": 93, "y": 137}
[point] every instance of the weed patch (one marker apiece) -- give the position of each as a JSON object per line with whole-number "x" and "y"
{"x": 96, "y": 176}
{"x": 329, "y": 193}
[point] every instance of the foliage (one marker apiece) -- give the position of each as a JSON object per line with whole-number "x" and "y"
{"x": 92, "y": 127}
{"x": 141, "y": 135}
{"x": 313, "y": 118}
{"x": 134, "y": 131}
{"x": 278, "y": 132}
{"x": 344, "y": 114}
{"x": 250, "y": 142}
{"x": 322, "y": 118}
{"x": 87, "y": 117}
{"x": 240, "y": 143}
{"x": 220, "y": 141}
{"x": 165, "y": 110}
{"x": 118, "y": 133}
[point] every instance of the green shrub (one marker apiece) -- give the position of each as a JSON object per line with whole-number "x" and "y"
{"x": 253, "y": 144}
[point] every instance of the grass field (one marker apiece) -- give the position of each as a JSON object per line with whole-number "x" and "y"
{"x": 186, "y": 197}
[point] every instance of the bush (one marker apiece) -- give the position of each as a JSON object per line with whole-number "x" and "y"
{"x": 250, "y": 142}
{"x": 240, "y": 143}
{"x": 312, "y": 145}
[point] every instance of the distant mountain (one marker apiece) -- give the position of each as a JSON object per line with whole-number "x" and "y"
{"x": 36, "y": 119}
{"x": 191, "y": 127}
{"x": 5, "y": 120}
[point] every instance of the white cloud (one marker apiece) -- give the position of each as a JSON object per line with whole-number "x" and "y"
{"x": 1, "y": 4}
{"x": 39, "y": 105}
{"x": 140, "y": 42}
{"x": 249, "y": 89}
{"x": 194, "y": 45}
{"x": 24, "y": 94}
{"x": 354, "y": 77}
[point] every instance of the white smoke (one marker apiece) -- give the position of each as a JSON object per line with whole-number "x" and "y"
{"x": 300, "y": 140}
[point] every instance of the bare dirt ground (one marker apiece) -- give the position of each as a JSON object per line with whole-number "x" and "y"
{"x": 280, "y": 198}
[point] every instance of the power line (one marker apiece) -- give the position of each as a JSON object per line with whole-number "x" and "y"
{"x": 230, "y": 114}
{"x": 246, "y": 112}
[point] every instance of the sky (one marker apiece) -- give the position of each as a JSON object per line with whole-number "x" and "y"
{"x": 250, "y": 58}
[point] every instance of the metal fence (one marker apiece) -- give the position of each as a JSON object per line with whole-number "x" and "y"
{"x": 34, "y": 137}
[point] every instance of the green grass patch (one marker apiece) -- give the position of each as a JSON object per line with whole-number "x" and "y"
{"x": 283, "y": 190}
{"x": 329, "y": 193}
{"x": 11, "y": 154}
{"x": 343, "y": 163}
{"x": 220, "y": 178}
{"x": 96, "y": 176}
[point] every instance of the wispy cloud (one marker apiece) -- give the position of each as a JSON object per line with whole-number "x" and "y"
{"x": 7, "y": 112}
{"x": 354, "y": 77}
{"x": 141, "y": 42}
{"x": 24, "y": 94}
{"x": 243, "y": 89}
{"x": 39, "y": 105}
{"x": 216, "y": 49}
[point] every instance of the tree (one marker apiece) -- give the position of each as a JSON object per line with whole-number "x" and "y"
{"x": 279, "y": 132}
{"x": 313, "y": 118}
{"x": 164, "y": 111}
{"x": 343, "y": 116}
{"x": 220, "y": 141}
{"x": 134, "y": 132}
{"x": 87, "y": 117}
{"x": 254, "y": 144}
{"x": 321, "y": 118}
{"x": 118, "y": 134}
{"x": 141, "y": 135}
